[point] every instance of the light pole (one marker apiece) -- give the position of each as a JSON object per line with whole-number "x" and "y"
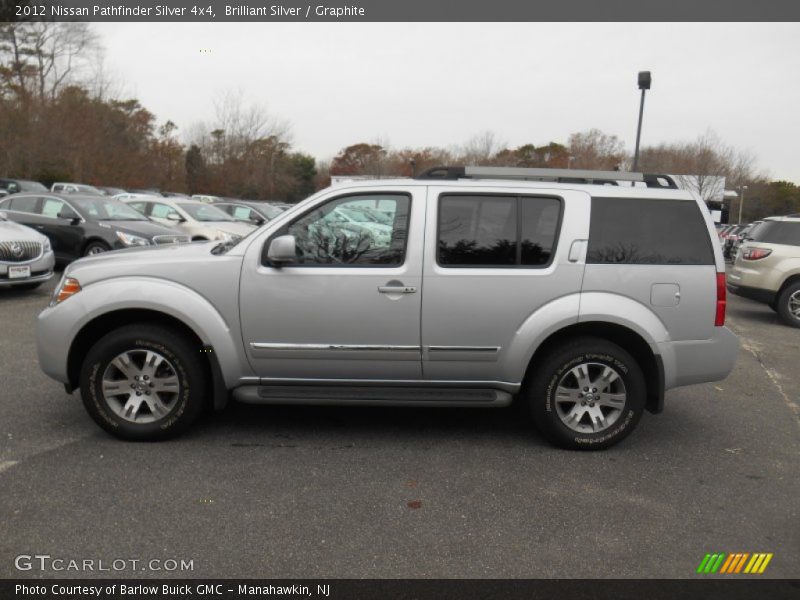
{"x": 742, "y": 189}
{"x": 644, "y": 85}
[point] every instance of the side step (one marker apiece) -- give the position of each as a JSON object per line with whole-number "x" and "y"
{"x": 370, "y": 396}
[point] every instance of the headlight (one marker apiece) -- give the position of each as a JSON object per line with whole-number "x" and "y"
{"x": 46, "y": 245}
{"x": 69, "y": 286}
{"x": 132, "y": 240}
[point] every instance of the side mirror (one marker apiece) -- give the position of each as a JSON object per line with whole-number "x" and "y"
{"x": 70, "y": 216}
{"x": 257, "y": 221}
{"x": 282, "y": 250}
{"x": 175, "y": 217}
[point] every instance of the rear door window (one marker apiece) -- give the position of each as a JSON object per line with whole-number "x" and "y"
{"x": 26, "y": 204}
{"x": 648, "y": 232}
{"x": 497, "y": 231}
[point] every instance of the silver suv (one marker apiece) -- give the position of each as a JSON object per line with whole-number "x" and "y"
{"x": 584, "y": 301}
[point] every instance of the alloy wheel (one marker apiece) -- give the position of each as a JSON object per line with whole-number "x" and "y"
{"x": 590, "y": 397}
{"x": 141, "y": 386}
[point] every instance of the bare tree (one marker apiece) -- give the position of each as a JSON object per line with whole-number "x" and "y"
{"x": 706, "y": 165}
{"x": 40, "y": 58}
{"x": 481, "y": 148}
{"x": 594, "y": 149}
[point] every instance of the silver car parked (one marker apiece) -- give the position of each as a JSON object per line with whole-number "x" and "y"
{"x": 26, "y": 258}
{"x": 585, "y": 302}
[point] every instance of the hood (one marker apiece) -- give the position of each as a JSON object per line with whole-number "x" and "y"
{"x": 140, "y": 260}
{"x": 230, "y": 227}
{"x": 143, "y": 255}
{"x": 147, "y": 229}
{"x": 14, "y": 232}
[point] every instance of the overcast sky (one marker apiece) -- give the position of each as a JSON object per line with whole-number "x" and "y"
{"x": 437, "y": 84}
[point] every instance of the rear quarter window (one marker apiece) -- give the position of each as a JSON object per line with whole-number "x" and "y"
{"x": 648, "y": 232}
{"x": 777, "y": 232}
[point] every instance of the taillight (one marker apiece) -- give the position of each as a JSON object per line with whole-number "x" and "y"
{"x": 755, "y": 253}
{"x": 719, "y": 319}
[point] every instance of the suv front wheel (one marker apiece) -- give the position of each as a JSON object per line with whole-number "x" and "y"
{"x": 143, "y": 382}
{"x": 588, "y": 394}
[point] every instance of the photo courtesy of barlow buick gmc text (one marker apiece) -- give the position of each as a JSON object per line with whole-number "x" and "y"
{"x": 399, "y": 300}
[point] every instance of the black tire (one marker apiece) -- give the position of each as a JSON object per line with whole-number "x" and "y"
{"x": 96, "y": 248}
{"x": 541, "y": 393}
{"x": 185, "y": 362}
{"x": 789, "y": 295}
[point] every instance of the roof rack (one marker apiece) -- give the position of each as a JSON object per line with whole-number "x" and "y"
{"x": 579, "y": 176}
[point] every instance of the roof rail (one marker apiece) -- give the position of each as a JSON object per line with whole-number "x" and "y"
{"x": 579, "y": 176}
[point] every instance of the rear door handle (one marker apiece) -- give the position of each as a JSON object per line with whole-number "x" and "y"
{"x": 397, "y": 289}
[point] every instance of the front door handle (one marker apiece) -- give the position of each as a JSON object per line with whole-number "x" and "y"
{"x": 397, "y": 289}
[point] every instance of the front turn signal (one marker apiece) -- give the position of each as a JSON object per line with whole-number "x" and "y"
{"x": 69, "y": 287}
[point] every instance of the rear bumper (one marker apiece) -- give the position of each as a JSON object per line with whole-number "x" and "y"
{"x": 699, "y": 361}
{"x": 757, "y": 294}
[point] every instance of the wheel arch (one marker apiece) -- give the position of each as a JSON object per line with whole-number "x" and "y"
{"x": 625, "y": 337}
{"x": 102, "y": 324}
{"x": 92, "y": 240}
{"x": 790, "y": 280}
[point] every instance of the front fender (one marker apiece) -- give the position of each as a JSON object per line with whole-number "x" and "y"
{"x": 58, "y": 326}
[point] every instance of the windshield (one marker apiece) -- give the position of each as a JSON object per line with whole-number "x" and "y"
{"x": 106, "y": 209}
{"x": 268, "y": 210}
{"x": 204, "y": 212}
{"x": 31, "y": 186}
{"x": 88, "y": 189}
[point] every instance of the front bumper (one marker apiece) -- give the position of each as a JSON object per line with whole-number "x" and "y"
{"x": 699, "y": 361}
{"x": 41, "y": 270}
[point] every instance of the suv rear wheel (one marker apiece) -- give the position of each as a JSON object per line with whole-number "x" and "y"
{"x": 143, "y": 382}
{"x": 588, "y": 394}
{"x": 788, "y": 304}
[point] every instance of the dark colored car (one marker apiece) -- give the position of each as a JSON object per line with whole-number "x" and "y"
{"x": 84, "y": 225}
{"x": 14, "y": 186}
{"x": 249, "y": 211}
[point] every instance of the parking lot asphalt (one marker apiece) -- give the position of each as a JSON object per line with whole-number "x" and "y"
{"x": 262, "y": 491}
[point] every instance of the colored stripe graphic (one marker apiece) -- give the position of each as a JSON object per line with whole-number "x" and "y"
{"x": 765, "y": 563}
{"x": 741, "y": 562}
{"x": 735, "y": 563}
{"x": 727, "y": 563}
{"x": 703, "y": 563}
{"x": 718, "y": 562}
